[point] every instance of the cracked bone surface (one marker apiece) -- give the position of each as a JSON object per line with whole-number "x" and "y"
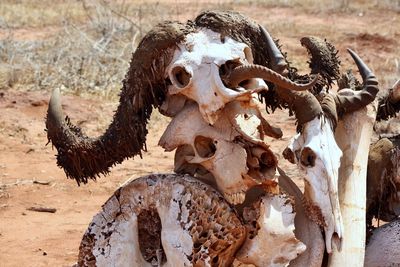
{"x": 163, "y": 220}
{"x": 173, "y": 220}
{"x": 270, "y": 240}
{"x": 231, "y": 150}
{"x": 316, "y": 152}
{"x": 195, "y": 71}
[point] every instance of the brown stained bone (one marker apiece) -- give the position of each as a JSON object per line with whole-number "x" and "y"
{"x": 382, "y": 181}
{"x": 191, "y": 208}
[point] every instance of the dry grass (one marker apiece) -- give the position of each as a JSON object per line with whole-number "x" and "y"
{"x": 85, "y": 46}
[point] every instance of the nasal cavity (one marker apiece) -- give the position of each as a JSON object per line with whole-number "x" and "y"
{"x": 205, "y": 146}
{"x": 180, "y": 77}
{"x": 308, "y": 157}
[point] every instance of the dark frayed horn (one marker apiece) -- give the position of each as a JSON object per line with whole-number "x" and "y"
{"x": 245, "y": 72}
{"x": 306, "y": 107}
{"x": 144, "y": 88}
{"x": 363, "y": 97}
{"x": 278, "y": 62}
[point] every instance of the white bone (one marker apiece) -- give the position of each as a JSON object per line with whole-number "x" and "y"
{"x": 321, "y": 185}
{"x": 228, "y": 162}
{"x": 353, "y": 135}
{"x": 275, "y": 243}
{"x": 200, "y": 56}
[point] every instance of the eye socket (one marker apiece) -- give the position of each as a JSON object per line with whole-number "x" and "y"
{"x": 307, "y": 157}
{"x": 180, "y": 77}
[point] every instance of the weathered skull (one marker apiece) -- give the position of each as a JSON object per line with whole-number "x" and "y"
{"x": 231, "y": 150}
{"x": 196, "y": 68}
{"x": 315, "y": 150}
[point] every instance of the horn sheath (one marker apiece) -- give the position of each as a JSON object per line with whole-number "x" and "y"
{"x": 363, "y": 97}
{"x": 144, "y": 87}
{"x": 304, "y": 104}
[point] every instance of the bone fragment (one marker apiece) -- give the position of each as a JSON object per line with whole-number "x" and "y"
{"x": 275, "y": 243}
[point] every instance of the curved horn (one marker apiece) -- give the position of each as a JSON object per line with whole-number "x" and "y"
{"x": 363, "y": 97}
{"x": 306, "y": 107}
{"x": 246, "y": 72}
{"x": 278, "y": 62}
{"x": 144, "y": 87}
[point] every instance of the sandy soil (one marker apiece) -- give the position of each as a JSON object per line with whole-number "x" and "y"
{"x": 29, "y": 176}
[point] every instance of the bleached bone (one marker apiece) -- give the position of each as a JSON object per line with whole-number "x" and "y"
{"x": 272, "y": 242}
{"x": 222, "y": 149}
{"x": 163, "y": 220}
{"x": 174, "y": 220}
{"x": 317, "y": 154}
{"x": 195, "y": 72}
{"x": 353, "y": 135}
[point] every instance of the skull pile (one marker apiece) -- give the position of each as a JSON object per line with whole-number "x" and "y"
{"x": 217, "y": 131}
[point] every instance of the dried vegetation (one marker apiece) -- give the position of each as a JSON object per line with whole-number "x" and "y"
{"x": 84, "y": 46}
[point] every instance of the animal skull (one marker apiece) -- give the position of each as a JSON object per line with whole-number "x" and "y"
{"x": 231, "y": 150}
{"x": 316, "y": 153}
{"x": 196, "y": 68}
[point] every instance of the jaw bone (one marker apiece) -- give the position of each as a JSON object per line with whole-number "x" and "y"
{"x": 316, "y": 152}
